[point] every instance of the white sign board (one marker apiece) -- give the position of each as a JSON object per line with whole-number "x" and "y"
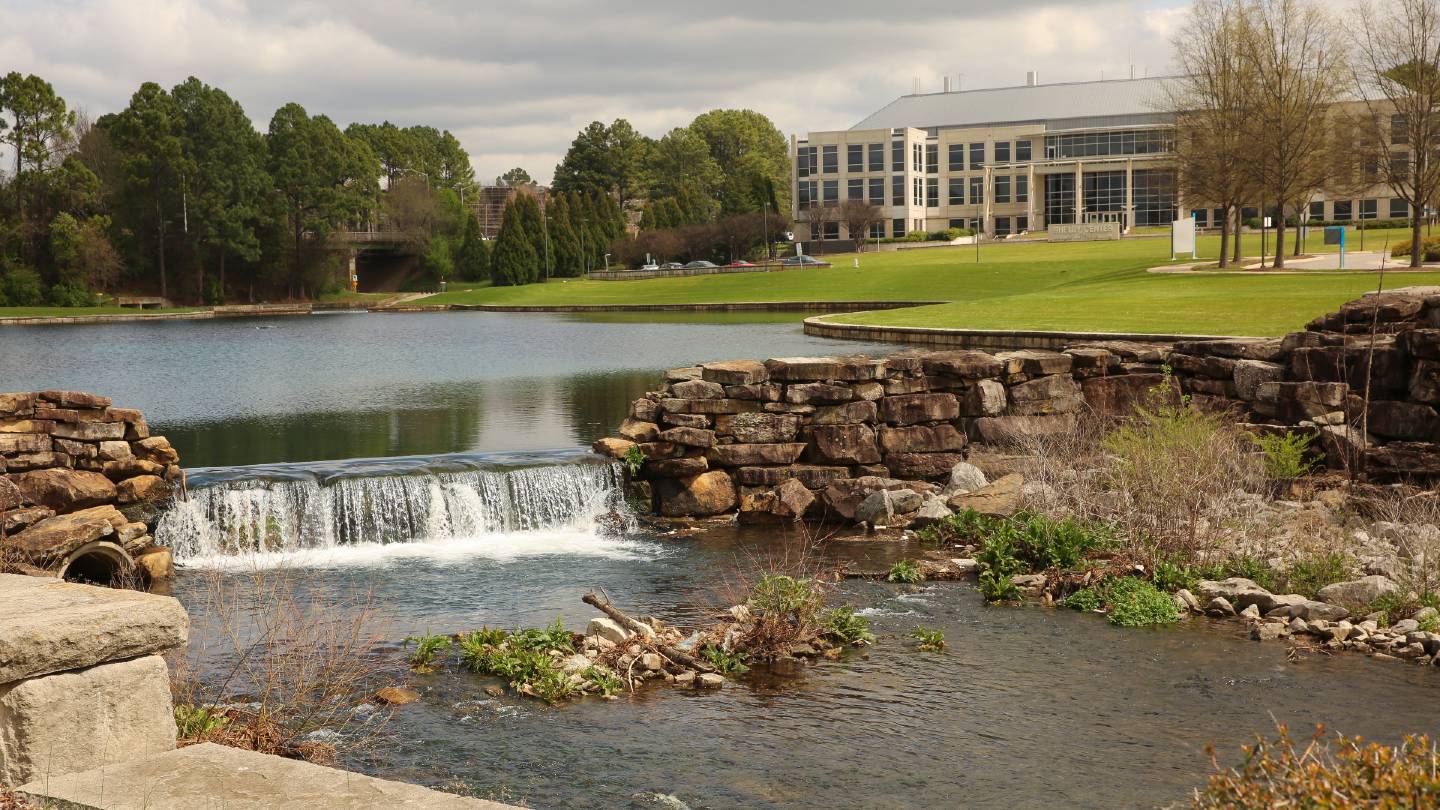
{"x": 1182, "y": 236}
{"x": 1082, "y": 231}
{"x": 1267, "y": 223}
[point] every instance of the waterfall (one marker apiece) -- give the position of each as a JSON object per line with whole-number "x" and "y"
{"x": 249, "y": 516}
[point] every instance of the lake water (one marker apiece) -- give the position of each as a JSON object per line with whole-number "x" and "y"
{"x": 438, "y": 459}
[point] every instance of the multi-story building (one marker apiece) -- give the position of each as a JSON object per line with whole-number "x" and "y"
{"x": 1012, "y": 159}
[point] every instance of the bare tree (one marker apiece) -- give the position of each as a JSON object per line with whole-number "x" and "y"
{"x": 1397, "y": 73}
{"x": 1211, "y": 102}
{"x": 1300, "y": 72}
{"x": 858, "y": 215}
{"x": 818, "y": 215}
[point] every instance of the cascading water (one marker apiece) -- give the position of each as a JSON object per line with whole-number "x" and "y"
{"x": 295, "y": 515}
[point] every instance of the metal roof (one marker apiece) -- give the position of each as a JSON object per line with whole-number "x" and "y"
{"x": 1006, "y": 105}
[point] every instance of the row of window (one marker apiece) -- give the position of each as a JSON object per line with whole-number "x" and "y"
{"x": 922, "y": 191}
{"x": 1339, "y": 209}
{"x": 924, "y": 158}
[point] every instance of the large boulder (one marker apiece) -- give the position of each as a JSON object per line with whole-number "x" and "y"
{"x": 965, "y": 477}
{"x": 57, "y": 536}
{"x": 809, "y": 369}
{"x": 10, "y": 495}
{"x": 921, "y": 439}
{"x": 1035, "y": 362}
{"x": 1357, "y": 592}
{"x": 709, "y": 406}
{"x": 683, "y": 467}
{"x": 142, "y": 488}
{"x": 735, "y": 372}
{"x": 89, "y": 431}
{"x": 844, "y": 444}
{"x": 156, "y": 448}
{"x": 637, "y": 431}
{"x": 845, "y": 495}
{"x": 65, "y": 490}
{"x": 922, "y": 465}
{"x": 880, "y": 508}
{"x": 1000, "y": 499}
{"x": 848, "y": 413}
{"x": 818, "y": 393}
{"x": 706, "y": 494}
{"x": 688, "y": 436}
{"x": 1046, "y": 395}
{"x": 697, "y": 389}
{"x": 811, "y": 476}
{"x": 789, "y": 501}
{"x": 1118, "y": 395}
{"x": 911, "y": 409}
{"x": 1239, "y": 592}
{"x": 1410, "y": 421}
{"x": 965, "y": 364}
{"x": 1006, "y": 430}
{"x": 984, "y": 398}
{"x": 748, "y": 455}
{"x": 760, "y": 428}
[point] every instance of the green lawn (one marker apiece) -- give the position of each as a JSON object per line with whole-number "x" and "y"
{"x": 1084, "y": 286}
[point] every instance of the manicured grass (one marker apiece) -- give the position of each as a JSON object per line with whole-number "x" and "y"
{"x": 1083, "y": 286}
{"x": 70, "y": 312}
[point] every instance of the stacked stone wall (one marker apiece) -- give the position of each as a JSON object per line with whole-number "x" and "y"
{"x": 80, "y": 478}
{"x": 814, "y": 436}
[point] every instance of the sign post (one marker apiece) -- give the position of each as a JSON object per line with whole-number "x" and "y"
{"x": 1335, "y": 235}
{"x": 1182, "y": 237}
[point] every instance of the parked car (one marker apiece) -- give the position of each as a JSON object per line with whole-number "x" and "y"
{"x": 700, "y": 264}
{"x": 803, "y": 261}
{"x": 740, "y": 264}
{"x": 650, "y": 266}
{"x": 671, "y": 266}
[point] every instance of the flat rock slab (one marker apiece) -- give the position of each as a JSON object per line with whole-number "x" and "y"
{"x": 210, "y": 775}
{"x": 47, "y": 625}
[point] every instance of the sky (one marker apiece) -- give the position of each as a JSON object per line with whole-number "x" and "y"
{"x": 516, "y": 80}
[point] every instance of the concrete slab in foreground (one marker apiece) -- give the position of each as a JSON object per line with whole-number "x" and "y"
{"x": 209, "y": 776}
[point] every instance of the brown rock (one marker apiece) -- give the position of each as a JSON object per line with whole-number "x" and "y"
{"x": 1421, "y": 343}
{"x": 1425, "y": 381}
{"x": 1035, "y": 362}
{"x": 710, "y": 493}
{"x": 1005, "y": 430}
{"x": 1408, "y": 421}
{"x": 810, "y": 476}
{"x": 131, "y": 467}
{"x": 984, "y": 398}
{"x": 662, "y": 450}
{"x": 804, "y": 369}
{"x": 690, "y": 437}
{"x": 910, "y": 385}
{"x": 691, "y": 420}
{"x": 1000, "y": 499}
{"x": 844, "y": 495}
{"x": 697, "y": 389}
{"x": 709, "y": 406}
{"x": 785, "y": 407}
{"x": 1054, "y": 394}
{"x": 968, "y": 365}
{"x": 922, "y": 465}
{"x": 637, "y": 431}
{"x": 674, "y": 467}
{"x": 65, "y": 490}
{"x": 788, "y": 501}
{"x": 849, "y": 413}
{"x": 115, "y": 451}
{"x": 1093, "y": 362}
{"x": 156, "y": 563}
{"x": 1403, "y": 461}
{"x": 141, "y": 488}
{"x": 57, "y": 536}
{"x": 1119, "y": 395}
{"x": 608, "y": 446}
{"x": 746, "y": 455}
{"x": 14, "y": 521}
{"x": 1386, "y": 363}
{"x": 77, "y": 450}
{"x": 735, "y": 372}
{"x": 10, "y": 495}
{"x": 645, "y": 410}
{"x": 760, "y": 428}
{"x": 910, "y": 409}
{"x": 20, "y": 403}
{"x": 682, "y": 374}
{"x": 156, "y": 448}
{"x": 74, "y": 415}
{"x": 36, "y": 461}
{"x": 762, "y": 392}
{"x": 1234, "y": 348}
{"x": 844, "y": 444}
{"x": 24, "y": 443}
{"x": 906, "y": 362}
{"x": 396, "y": 696}
{"x": 920, "y": 439}
{"x": 868, "y": 391}
{"x": 26, "y": 426}
{"x": 75, "y": 399}
{"x": 89, "y": 431}
{"x": 818, "y": 394}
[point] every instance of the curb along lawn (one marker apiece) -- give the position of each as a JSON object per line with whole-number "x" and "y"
{"x": 1092, "y": 286}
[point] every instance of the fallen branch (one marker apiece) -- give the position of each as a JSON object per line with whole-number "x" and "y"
{"x": 644, "y": 631}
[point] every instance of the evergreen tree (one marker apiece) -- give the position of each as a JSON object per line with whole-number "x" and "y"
{"x": 514, "y": 259}
{"x": 564, "y": 241}
{"x": 533, "y": 221}
{"x": 473, "y": 263}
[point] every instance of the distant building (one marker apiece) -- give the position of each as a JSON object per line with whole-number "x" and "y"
{"x": 1011, "y": 159}
{"x": 490, "y": 203}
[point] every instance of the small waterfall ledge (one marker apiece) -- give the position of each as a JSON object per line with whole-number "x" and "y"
{"x": 262, "y": 515}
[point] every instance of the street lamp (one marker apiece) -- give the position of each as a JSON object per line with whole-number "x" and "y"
{"x": 607, "y": 262}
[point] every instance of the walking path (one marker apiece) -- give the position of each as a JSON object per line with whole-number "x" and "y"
{"x": 1301, "y": 265}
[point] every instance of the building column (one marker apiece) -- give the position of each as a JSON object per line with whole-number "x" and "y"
{"x": 1031, "y": 191}
{"x": 1079, "y": 193}
{"x": 1129, "y": 195}
{"x": 989, "y": 186}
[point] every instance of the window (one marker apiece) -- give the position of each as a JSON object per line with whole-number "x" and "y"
{"x": 977, "y": 155}
{"x": 932, "y": 158}
{"x": 877, "y": 191}
{"x": 1342, "y": 209}
{"x": 1002, "y": 225}
{"x": 1218, "y": 215}
{"x": 1369, "y": 209}
{"x": 877, "y": 230}
{"x": 1399, "y": 209}
{"x": 1002, "y": 188}
{"x": 977, "y": 191}
{"x": 830, "y": 159}
{"x": 897, "y": 156}
{"x": 1202, "y": 217}
{"x": 1121, "y": 142}
{"x": 917, "y": 157}
{"x": 1153, "y": 196}
{"x": 1022, "y": 224}
{"x": 957, "y": 223}
{"x": 1022, "y": 188}
{"x": 805, "y": 165}
{"x": 917, "y": 189}
{"x": 897, "y": 227}
{"x": 957, "y": 191}
{"x": 957, "y": 157}
{"x": 1317, "y": 211}
{"x": 1059, "y": 198}
{"x": 856, "y": 189}
{"x": 807, "y": 193}
{"x": 877, "y": 157}
{"x": 1022, "y": 151}
{"x": 897, "y": 189}
{"x": 831, "y": 230}
{"x": 855, "y": 158}
{"x": 932, "y": 192}
{"x": 1399, "y": 129}
{"x": 1002, "y": 151}
{"x": 832, "y": 192}
{"x": 1399, "y": 165}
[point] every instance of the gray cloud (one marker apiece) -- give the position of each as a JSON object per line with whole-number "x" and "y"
{"x": 515, "y": 81}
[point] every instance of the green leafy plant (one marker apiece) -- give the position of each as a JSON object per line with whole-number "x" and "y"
{"x": 929, "y": 639}
{"x": 1430, "y": 622}
{"x": 1288, "y": 457}
{"x": 554, "y": 637}
{"x": 1086, "y": 599}
{"x": 634, "y": 459}
{"x": 726, "y": 662}
{"x": 1134, "y": 602}
{"x": 1171, "y": 577}
{"x": 905, "y": 571}
{"x": 427, "y": 651}
{"x": 997, "y": 565}
{"x": 1307, "y": 575}
{"x": 1393, "y": 607}
{"x": 1044, "y": 543}
{"x": 196, "y": 721}
{"x": 1248, "y": 566}
{"x": 786, "y": 595}
{"x": 842, "y": 623}
{"x": 603, "y": 677}
{"x": 965, "y": 526}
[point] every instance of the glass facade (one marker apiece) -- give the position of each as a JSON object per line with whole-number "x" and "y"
{"x": 957, "y": 157}
{"x": 855, "y": 157}
{"x": 1096, "y": 144}
{"x": 1002, "y": 188}
{"x": 877, "y": 191}
{"x": 932, "y": 158}
{"x": 1154, "y": 196}
{"x": 877, "y": 157}
{"x": 830, "y": 159}
{"x": 957, "y": 191}
{"x": 932, "y": 192}
{"x": 855, "y": 189}
{"x": 1059, "y": 198}
{"x": 897, "y": 156}
{"x": 977, "y": 155}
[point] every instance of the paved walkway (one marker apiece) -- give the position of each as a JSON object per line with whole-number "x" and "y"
{"x": 1320, "y": 262}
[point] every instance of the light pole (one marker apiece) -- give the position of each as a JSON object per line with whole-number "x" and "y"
{"x": 607, "y": 262}
{"x": 765, "y": 224}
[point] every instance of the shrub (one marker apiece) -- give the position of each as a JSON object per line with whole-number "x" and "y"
{"x": 1288, "y": 457}
{"x": 1085, "y": 599}
{"x": 20, "y": 286}
{"x": 1429, "y": 248}
{"x": 427, "y": 651}
{"x": 604, "y": 678}
{"x": 842, "y": 623}
{"x": 69, "y": 295}
{"x": 1344, "y": 772}
{"x": 785, "y": 595}
{"x": 1044, "y": 543}
{"x": 930, "y": 639}
{"x": 723, "y": 661}
{"x": 1171, "y": 577}
{"x": 1307, "y": 575}
{"x": 1136, "y": 603}
{"x": 554, "y": 637}
{"x": 997, "y": 564}
{"x": 634, "y": 459}
{"x": 965, "y": 526}
{"x": 192, "y": 722}
{"x": 905, "y": 571}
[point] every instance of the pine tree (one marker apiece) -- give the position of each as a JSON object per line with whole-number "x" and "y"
{"x": 564, "y": 241}
{"x": 514, "y": 259}
{"x": 534, "y": 224}
{"x": 473, "y": 263}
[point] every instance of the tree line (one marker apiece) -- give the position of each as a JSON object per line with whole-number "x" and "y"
{"x": 1279, "y": 99}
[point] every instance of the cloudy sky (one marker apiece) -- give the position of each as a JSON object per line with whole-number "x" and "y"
{"x": 515, "y": 80}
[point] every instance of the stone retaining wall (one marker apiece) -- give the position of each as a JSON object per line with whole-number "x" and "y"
{"x": 814, "y": 437}
{"x": 80, "y": 485}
